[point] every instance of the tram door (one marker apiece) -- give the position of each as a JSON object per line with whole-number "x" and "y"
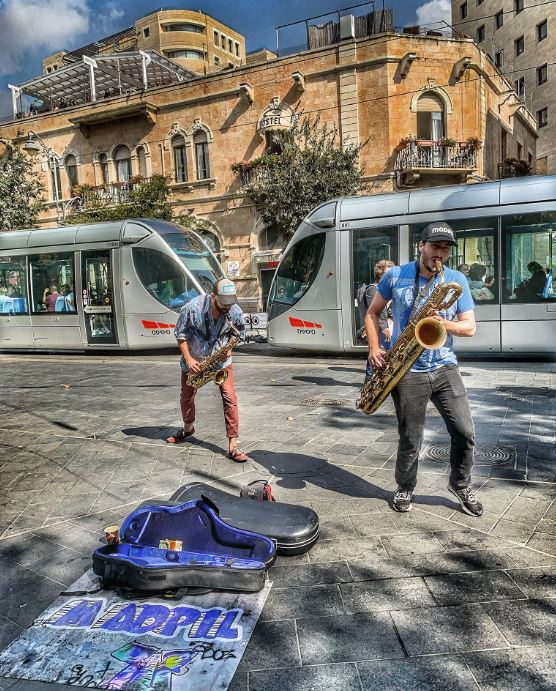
{"x": 370, "y": 245}
{"x": 98, "y": 297}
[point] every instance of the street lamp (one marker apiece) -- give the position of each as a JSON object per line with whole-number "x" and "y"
{"x": 32, "y": 146}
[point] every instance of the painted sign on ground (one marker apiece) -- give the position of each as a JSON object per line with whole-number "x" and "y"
{"x": 104, "y": 641}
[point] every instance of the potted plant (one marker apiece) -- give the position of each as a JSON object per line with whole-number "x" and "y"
{"x": 404, "y": 142}
{"x": 473, "y": 143}
{"x": 446, "y": 141}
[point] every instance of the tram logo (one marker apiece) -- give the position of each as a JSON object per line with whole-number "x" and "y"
{"x": 304, "y": 327}
{"x": 158, "y": 328}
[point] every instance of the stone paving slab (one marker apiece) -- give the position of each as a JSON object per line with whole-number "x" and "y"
{"x": 429, "y": 599}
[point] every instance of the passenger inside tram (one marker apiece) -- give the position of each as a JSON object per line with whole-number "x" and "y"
{"x": 531, "y": 288}
{"x": 479, "y": 283}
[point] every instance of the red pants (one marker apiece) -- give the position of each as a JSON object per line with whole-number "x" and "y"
{"x": 229, "y": 399}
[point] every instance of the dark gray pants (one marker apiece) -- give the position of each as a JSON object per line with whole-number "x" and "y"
{"x": 445, "y": 388}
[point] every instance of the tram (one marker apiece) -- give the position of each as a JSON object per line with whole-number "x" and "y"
{"x": 506, "y": 237}
{"x": 117, "y": 285}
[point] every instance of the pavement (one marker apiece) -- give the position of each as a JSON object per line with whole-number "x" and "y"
{"x": 431, "y": 599}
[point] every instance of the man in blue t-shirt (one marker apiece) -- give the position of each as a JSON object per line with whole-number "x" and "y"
{"x": 435, "y": 374}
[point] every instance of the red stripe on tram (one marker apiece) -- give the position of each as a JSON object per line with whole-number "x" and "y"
{"x": 296, "y": 322}
{"x": 149, "y": 325}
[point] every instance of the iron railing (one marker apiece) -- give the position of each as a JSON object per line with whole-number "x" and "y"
{"x": 418, "y": 155}
{"x": 111, "y": 192}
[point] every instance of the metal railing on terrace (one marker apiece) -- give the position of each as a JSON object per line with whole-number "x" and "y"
{"x": 110, "y": 192}
{"x": 433, "y": 155}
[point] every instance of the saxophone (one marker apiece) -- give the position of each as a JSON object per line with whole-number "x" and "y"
{"x": 422, "y": 332}
{"x": 210, "y": 366}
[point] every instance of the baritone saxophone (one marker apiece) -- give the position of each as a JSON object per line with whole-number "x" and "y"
{"x": 422, "y": 332}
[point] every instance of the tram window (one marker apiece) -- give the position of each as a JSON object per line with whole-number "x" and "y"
{"x": 52, "y": 283}
{"x": 196, "y": 257}
{"x": 13, "y": 286}
{"x": 164, "y": 279}
{"x": 298, "y": 269}
{"x": 475, "y": 255}
{"x": 529, "y": 257}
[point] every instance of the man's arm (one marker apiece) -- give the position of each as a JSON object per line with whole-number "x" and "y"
{"x": 464, "y": 326}
{"x": 376, "y": 355}
{"x": 189, "y": 359}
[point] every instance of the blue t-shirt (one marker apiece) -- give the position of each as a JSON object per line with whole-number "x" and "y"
{"x": 398, "y": 285}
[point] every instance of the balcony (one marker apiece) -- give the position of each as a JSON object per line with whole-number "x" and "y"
{"x": 416, "y": 157}
{"x": 514, "y": 168}
{"x": 109, "y": 194}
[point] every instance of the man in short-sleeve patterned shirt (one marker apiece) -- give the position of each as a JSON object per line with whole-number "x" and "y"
{"x": 435, "y": 374}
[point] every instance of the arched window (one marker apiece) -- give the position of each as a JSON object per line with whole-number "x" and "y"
{"x": 201, "y": 155}
{"x": 71, "y": 170}
{"x": 180, "y": 162}
{"x": 430, "y": 117}
{"x": 142, "y": 160}
{"x": 103, "y": 164}
{"x": 122, "y": 156}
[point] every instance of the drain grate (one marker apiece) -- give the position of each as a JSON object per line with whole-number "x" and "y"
{"x": 485, "y": 454}
{"x": 322, "y": 402}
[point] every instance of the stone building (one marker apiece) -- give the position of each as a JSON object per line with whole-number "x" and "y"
{"x": 519, "y": 38}
{"x": 426, "y": 102}
{"x": 191, "y": 38}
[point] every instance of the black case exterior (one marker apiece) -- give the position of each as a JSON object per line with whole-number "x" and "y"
{"x": 295, "y": 529}
{"x": 154, "y": 579}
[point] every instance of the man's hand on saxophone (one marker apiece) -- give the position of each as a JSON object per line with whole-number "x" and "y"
{"x": 463, "y": 325}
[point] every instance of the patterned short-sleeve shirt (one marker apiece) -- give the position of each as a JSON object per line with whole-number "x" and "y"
{"x": 203, "y": 334}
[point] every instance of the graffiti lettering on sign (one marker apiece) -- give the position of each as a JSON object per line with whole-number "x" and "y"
{"x": 136, "y": 619}
{"x": 147, "y": 668}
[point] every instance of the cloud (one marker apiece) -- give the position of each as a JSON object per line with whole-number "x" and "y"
{"x": 434, "y": 11}
{"x": 39, "y": 27}
{"x": 108, "y": 21}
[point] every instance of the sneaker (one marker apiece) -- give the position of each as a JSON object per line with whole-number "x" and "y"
{"x": 402, "y": 500}
{"x": 468, "y": 499}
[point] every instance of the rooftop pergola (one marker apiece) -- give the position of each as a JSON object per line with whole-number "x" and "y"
{"x": 98, "y": 77}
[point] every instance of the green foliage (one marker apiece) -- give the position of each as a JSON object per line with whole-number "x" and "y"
{"x": 20, "y": 190}
{"x": 144, "y": 200}
{"x": 312, "y": 167}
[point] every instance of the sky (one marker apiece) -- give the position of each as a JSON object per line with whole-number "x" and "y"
{"x": 32, "y": 29}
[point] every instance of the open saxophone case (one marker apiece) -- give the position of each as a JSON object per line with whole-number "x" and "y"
{"x": 184, "y": 544}
{"x": 294, "y": 529}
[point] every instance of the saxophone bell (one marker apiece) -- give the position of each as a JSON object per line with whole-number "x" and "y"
{"x": 430, "y": 333}
{"x": 220, "y": 377}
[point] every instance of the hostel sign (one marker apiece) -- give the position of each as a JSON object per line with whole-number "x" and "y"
{"x": 276, "y": 116}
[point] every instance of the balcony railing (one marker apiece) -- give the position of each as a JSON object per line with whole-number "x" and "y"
{"x": 436, "y": 156}
{"x": 110, "y": 193}
{"x": 510, "y": 170}
{"x": 249, "y": 176}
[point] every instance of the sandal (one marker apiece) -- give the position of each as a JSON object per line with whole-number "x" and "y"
{"x": 180, "y": 436}
{"x": 237, "y": 455}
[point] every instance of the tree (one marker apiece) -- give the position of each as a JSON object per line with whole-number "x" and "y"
{"x": 144, "y": 200}
{"x": 21, "y": 193}
{"x": 312, "y": 166}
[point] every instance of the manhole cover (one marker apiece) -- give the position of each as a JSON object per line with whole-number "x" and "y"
{"x": 318, "y": 402}
{"x": 485, "y": 454}
{"x": 523, "y": 392}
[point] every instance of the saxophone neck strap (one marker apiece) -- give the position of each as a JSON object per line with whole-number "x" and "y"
{"x": 418, "y": 295}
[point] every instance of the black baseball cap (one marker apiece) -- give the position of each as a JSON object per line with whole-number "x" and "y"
{"x": 439, "y": 232}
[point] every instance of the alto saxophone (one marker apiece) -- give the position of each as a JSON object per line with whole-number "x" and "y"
{"x": 422, "y": 332}
{"x": 210, "y": 366}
